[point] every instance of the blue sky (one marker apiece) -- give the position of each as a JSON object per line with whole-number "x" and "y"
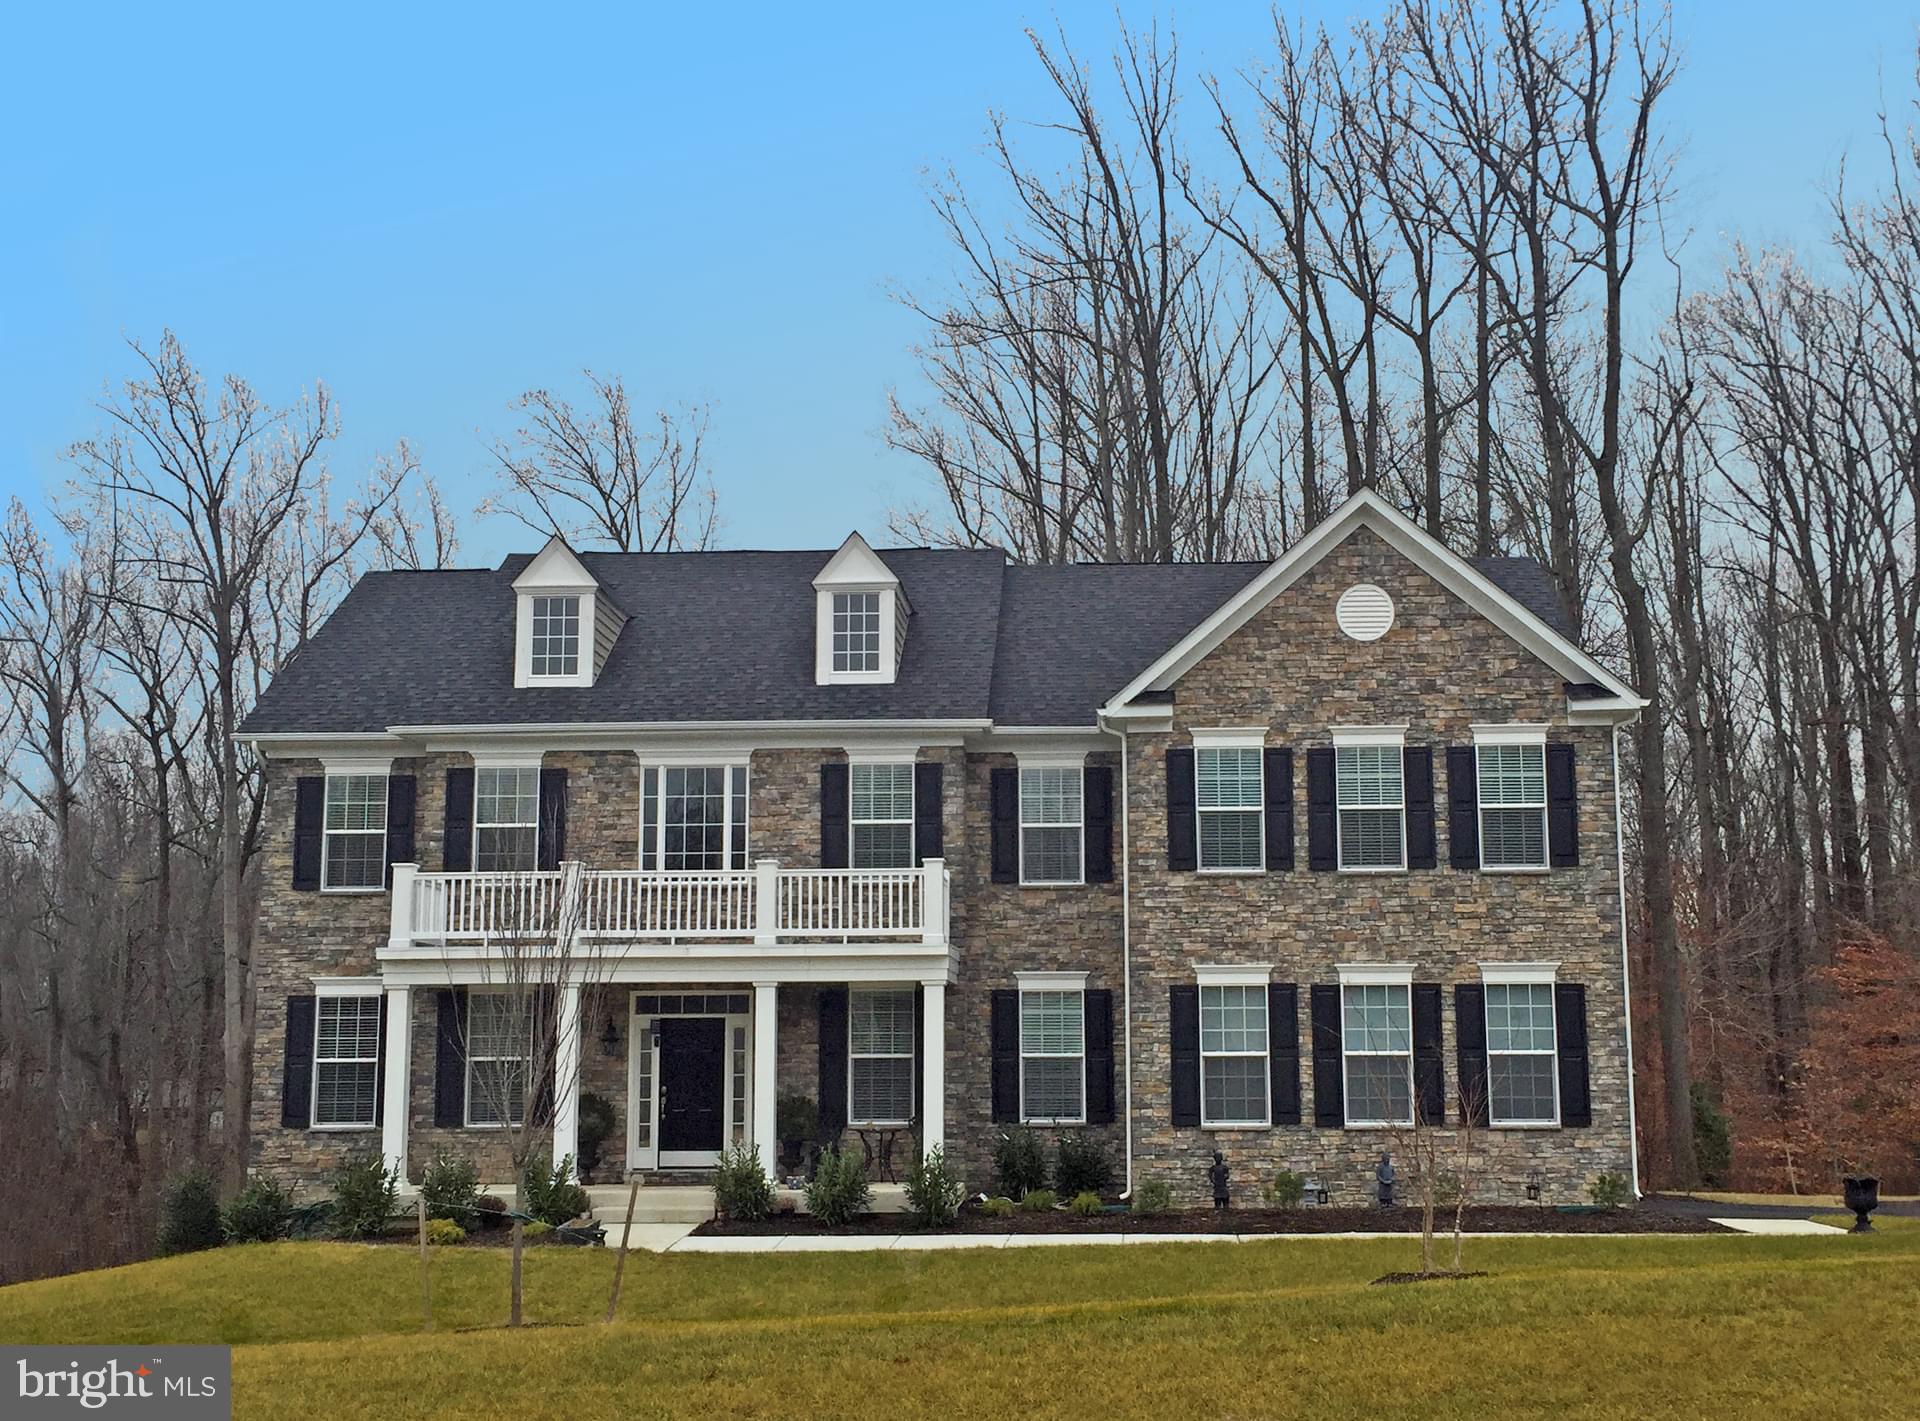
{"x": 435, "y": 212}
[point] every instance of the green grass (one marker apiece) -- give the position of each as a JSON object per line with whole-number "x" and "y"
{"x": 1586, "y": 1327}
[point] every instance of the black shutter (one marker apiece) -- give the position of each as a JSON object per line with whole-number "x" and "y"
{"x": 1329, "y": 1095}
{"x": 1416, "y": 762}
{"x": 456, "y": 850}
{"x": 1278, "y": 780}
{"x": 1099, "y": 1027}
{"x": 929, "y": 835}
{"x": 1563, "y": 808}
{"x": 1429, "y": 1068}
{"x": 401, "y": 794}
{"x": 1570, "y": 1026}
{"x": 553, "y": 820}
{"x": 833, "y": 1063}
{"x": 450, "y": 1059}
{"x": 309, "y": 813}
{"x": 1283, "y": 1046}
{"x": 836, "y": 783}
{"x": 1097, "y": 802}
{"x": 1006, "y": 1056}
{"x": 1470, "y": 1049}
{"x": 380, "y": 1068}
{"x": 1003, "y": 820}
{"x": 1183, "y": 828}
{"x": 1183, "y": 1025}
{"x": 296, "y": 1067}
{"x": 1463, "y": 807}
{"x": 1323, "y": 844}
{"x": 919, "y": 1056}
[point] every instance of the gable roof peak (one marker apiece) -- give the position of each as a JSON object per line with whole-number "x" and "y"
{"x": 856, "y": 564}
{"x": 555, "y": 565}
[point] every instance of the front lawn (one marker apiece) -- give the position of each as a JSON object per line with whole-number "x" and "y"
{"x": 1600, "y": 1327}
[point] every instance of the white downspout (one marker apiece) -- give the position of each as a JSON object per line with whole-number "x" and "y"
{"x": 1626, "y": 990}
{"x": 1126, "y": 954}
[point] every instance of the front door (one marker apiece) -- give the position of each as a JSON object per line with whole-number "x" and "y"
{"x": 693, "y": 1063}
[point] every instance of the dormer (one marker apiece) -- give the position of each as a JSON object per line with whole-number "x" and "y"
{"x": 564, "y": 621}
{"x": 860, "y": 618}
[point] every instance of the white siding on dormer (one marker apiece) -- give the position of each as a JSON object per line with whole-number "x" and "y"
{"x": 857, "y": 568}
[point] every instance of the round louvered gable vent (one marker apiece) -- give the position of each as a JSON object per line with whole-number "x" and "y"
{"x": 1364, "y": 612}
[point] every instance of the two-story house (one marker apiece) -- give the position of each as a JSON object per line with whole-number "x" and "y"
{"x": 1258, "y": 857}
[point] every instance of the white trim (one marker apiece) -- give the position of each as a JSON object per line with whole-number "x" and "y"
{"x": 1502, "y": 738}
{"x": 1552, "y": 1053}
{"x": 1258, "y": 809}
{"x": 1375, "y": 976}
{"x": 357, "y": 764}
{"x": 1369, "y": 735}
{"x": 1213, "y": 978}
{"x": 1250, "y": 737}
{"x": 880, "y": 752}
{"x": 1509, "y": 734}
{"x": 555, "y": 568}
{"x": 348, "y": 986}
{"x": 855, "y": 566}
{"x": 1051, "y": 981}
{"x": 1393, "y": 974}
{"x": 892, "y": 989}
{"x": 585, "y": 617}
{"x": 1126, "y": 963}
{"x": 1626, "y": 982}
{"x": 355, "y": 769}
{"x": 742, "y": 763}
{"x": 1077, "y": 990}
{"x": 373, "y": 990}
{"x": 1040, "y": 765}
{"x": 1226, "y": 975}
{"x": 1051, "y": 759}
{"x": 497, "y": 824}
{"x": 913, "y": 808}
{"x": 1510, "y": 973}
{"x": 1368, "y": 738}
{"x": 485, "y": 759}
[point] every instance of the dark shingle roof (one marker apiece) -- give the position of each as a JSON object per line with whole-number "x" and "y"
{"x": 1529, "y": 584}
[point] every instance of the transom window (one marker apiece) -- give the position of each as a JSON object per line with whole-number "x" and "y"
{"x": 1053, "y": 1060}
{"x": 882, "y": 815}
{"x": 1052, "y": 822}
{"x": 556, "y": 636}
{"x": 879, "y": 1057}
{"x": 1513, "y": 805}
{"x": 1233, "y": 1055}
{"x": 354, "y": 846}
{"x": 693, "y": 817}
{"x": 1371, "y": 793}
{"x": 856, "y": 631}
{"x": 1376, "y": 1036}
{"x": 506, "y": 820}
{"x": 1523, "y": 1072}
{"x": 346, "y": 1062}
{"x": 499, "y": 1057}
{"x": 1227, "y": 796}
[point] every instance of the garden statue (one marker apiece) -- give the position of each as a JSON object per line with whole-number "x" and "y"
{"x": 1217, "y": 1173}
{"x": 1862, "y": 1195}
{"x": 1384, "y": 1174}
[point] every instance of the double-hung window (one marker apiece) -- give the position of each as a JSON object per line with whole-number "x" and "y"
{"x": 856, "y": 631}
{"x": 1370, "y": 790}
{"x": 879, "y": 1057}
{"x": 556, "y": 636}
{"x": 346, "y": 1061}
{"x": 354, "y": 844}
{"x": 1376, "y": 1036}
{"x": 1053, "y": 1055}
{"x": 506, "y": 819}
{"x": 499, "y": 1057}
{"x": 693, "y": 818}
{"x": 1228, "y": 800}
{"x": 1233, "y": 1053}
{"x": 1052, "y": 824}
{"x": 1523, "y": 1067}
{"x": 1513, "y": 798}
{"x": 882, "y": 815}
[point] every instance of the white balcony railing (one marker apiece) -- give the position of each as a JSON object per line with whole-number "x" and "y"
{"x": 766, "y": 904}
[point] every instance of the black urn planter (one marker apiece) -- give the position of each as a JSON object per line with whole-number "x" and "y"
{"x": 1862, "y": 1195}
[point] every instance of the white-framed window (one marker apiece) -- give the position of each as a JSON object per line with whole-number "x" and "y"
{"x": 354, "y": 843}
{"x": 693, "y": 818}
{"x": 556, "y": 637}
{"x": 499, "y": 1057}
{"x": 1370, "y": 795}
{"x": 882, "y": 815}
{"x": 1233, "y": 1053}
{"x": 506, "y": 819}
{"x": 856, "y": 631}
{"x": 1512, "y": 774}
{"x": 1523, "y": 1061}
{"x": 880, "y": 1056}
{"x": 1227, "y": 796}
{"x": 1052, "y": 824}
{"x": 346, "y": 1061}
{"x": 1376, "y": 1038}
{"x": 1053, "y": 1054}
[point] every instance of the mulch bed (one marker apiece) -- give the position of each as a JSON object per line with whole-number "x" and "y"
{"x": 1327, "y": 1220}
{"x": 1438, "y": 1276}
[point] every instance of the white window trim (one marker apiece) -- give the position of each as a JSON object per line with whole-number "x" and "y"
{"x": 656, "y": 805}
{"x": 1369, "y": 735}
{"x": 1258, "y": 975}
{"x": 1237, "y": 977}
{"x": 523, "y": 636}
{"x": 1245, "y": 737}
{"x": 1523, "y": 974}
{"x": 335, "y": 989}
{"x": 824, "y": 674}
{"x": 881, "y": 624}
{"x": 582, "y": 637}
{"x": 1055, "y": 761}
{"x": 1074, "y": 982}
{"x": 878, "y": 988}
{"x": 1511, "y": 735}
{"x": 1386, "y": 974}
{"x": 505, "y": 762}
{"x": 343, "y": 768}
{"x": 1242, "y": 738}
{"x": 913, "y": 806}
{"x": 466, "y": 1042}
{"x": 1359, "y": 736}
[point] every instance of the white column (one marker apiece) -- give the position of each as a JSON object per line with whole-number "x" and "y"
{"x": 566, "y": 1076}
{"x": 766, "y": 902}
{"x": 766, "y": 1004}
{"x": 400, "y": 922}
{"x": 393, "y": 1105}
{"x": 933, "y": 901}
{"x": 933, "y": 1065}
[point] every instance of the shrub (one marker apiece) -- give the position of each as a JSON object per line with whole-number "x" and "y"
{"x": 445, "y": 1231}
{"x": 260, "y": 1213}
{"x": 1154, "y": 1196}
{"x": 1019, "y": 1164}
{"x": 838, "y": 1190}
{"x": 490, "y": 1212}
{"x": 598, "y": 1121}
{"x": 1086, "y": 1204}
{"x": 1081, "y": 1166}
{"x": 998, "y": 1207}
{"x": 741, "y": 1189}
{"x": 1038, "y": 1201}
{"x": 363, "y": 1194}
{"x": 550, "y": 1195}
{"x": 1609, "y": 1190}
{"x": 190, "y": 1214}
{"x": 1712, "y": 1136}
{"x": 451, "y": 1187}
{"x": 1288, "y": 1189}
{"x": 933, "y": 1191}
{"x": 796, "y": 1117}
{"x": 535, "y": 1231}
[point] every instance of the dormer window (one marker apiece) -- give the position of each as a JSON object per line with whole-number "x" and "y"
{"x": 565, "y": 623}
{"x": 556, "y": 637}
{"x": 856, "y": 631}
{"x": 860, "y": 619}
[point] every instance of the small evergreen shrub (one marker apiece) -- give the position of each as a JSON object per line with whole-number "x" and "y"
{"x": 1019, "y": 1164}
{"x": 1086, "y": 1204}
{"x": 1712, "y": 1136}
{"x": 1081, "y": 1166}
{"x": 1153, "y": 1196}
{"x": 550, "y": 1195}
{"x": 999, "y": 1207}
{"x": 598, "y": 1121}
{"x": 260, "y": 1213}
{"x": 363, "y": 1193}
{"x": 1287, "y": 1190}
{"x": 741, "y": 1189}
{"x": 1609, "y": 1191}
{"x": 490, "y": 1212}
{"x": 535, "y": 1231}
{"x": 796, "y": 1118}
{"x": 838, "y": 1190}
{"x": 190, "y": 1214}
{"x": 933, "y": 1191}
{"x": 451, "y": 1187}
{"x": 1038, "y": 1201}
{"x": 445, "y": 1231}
